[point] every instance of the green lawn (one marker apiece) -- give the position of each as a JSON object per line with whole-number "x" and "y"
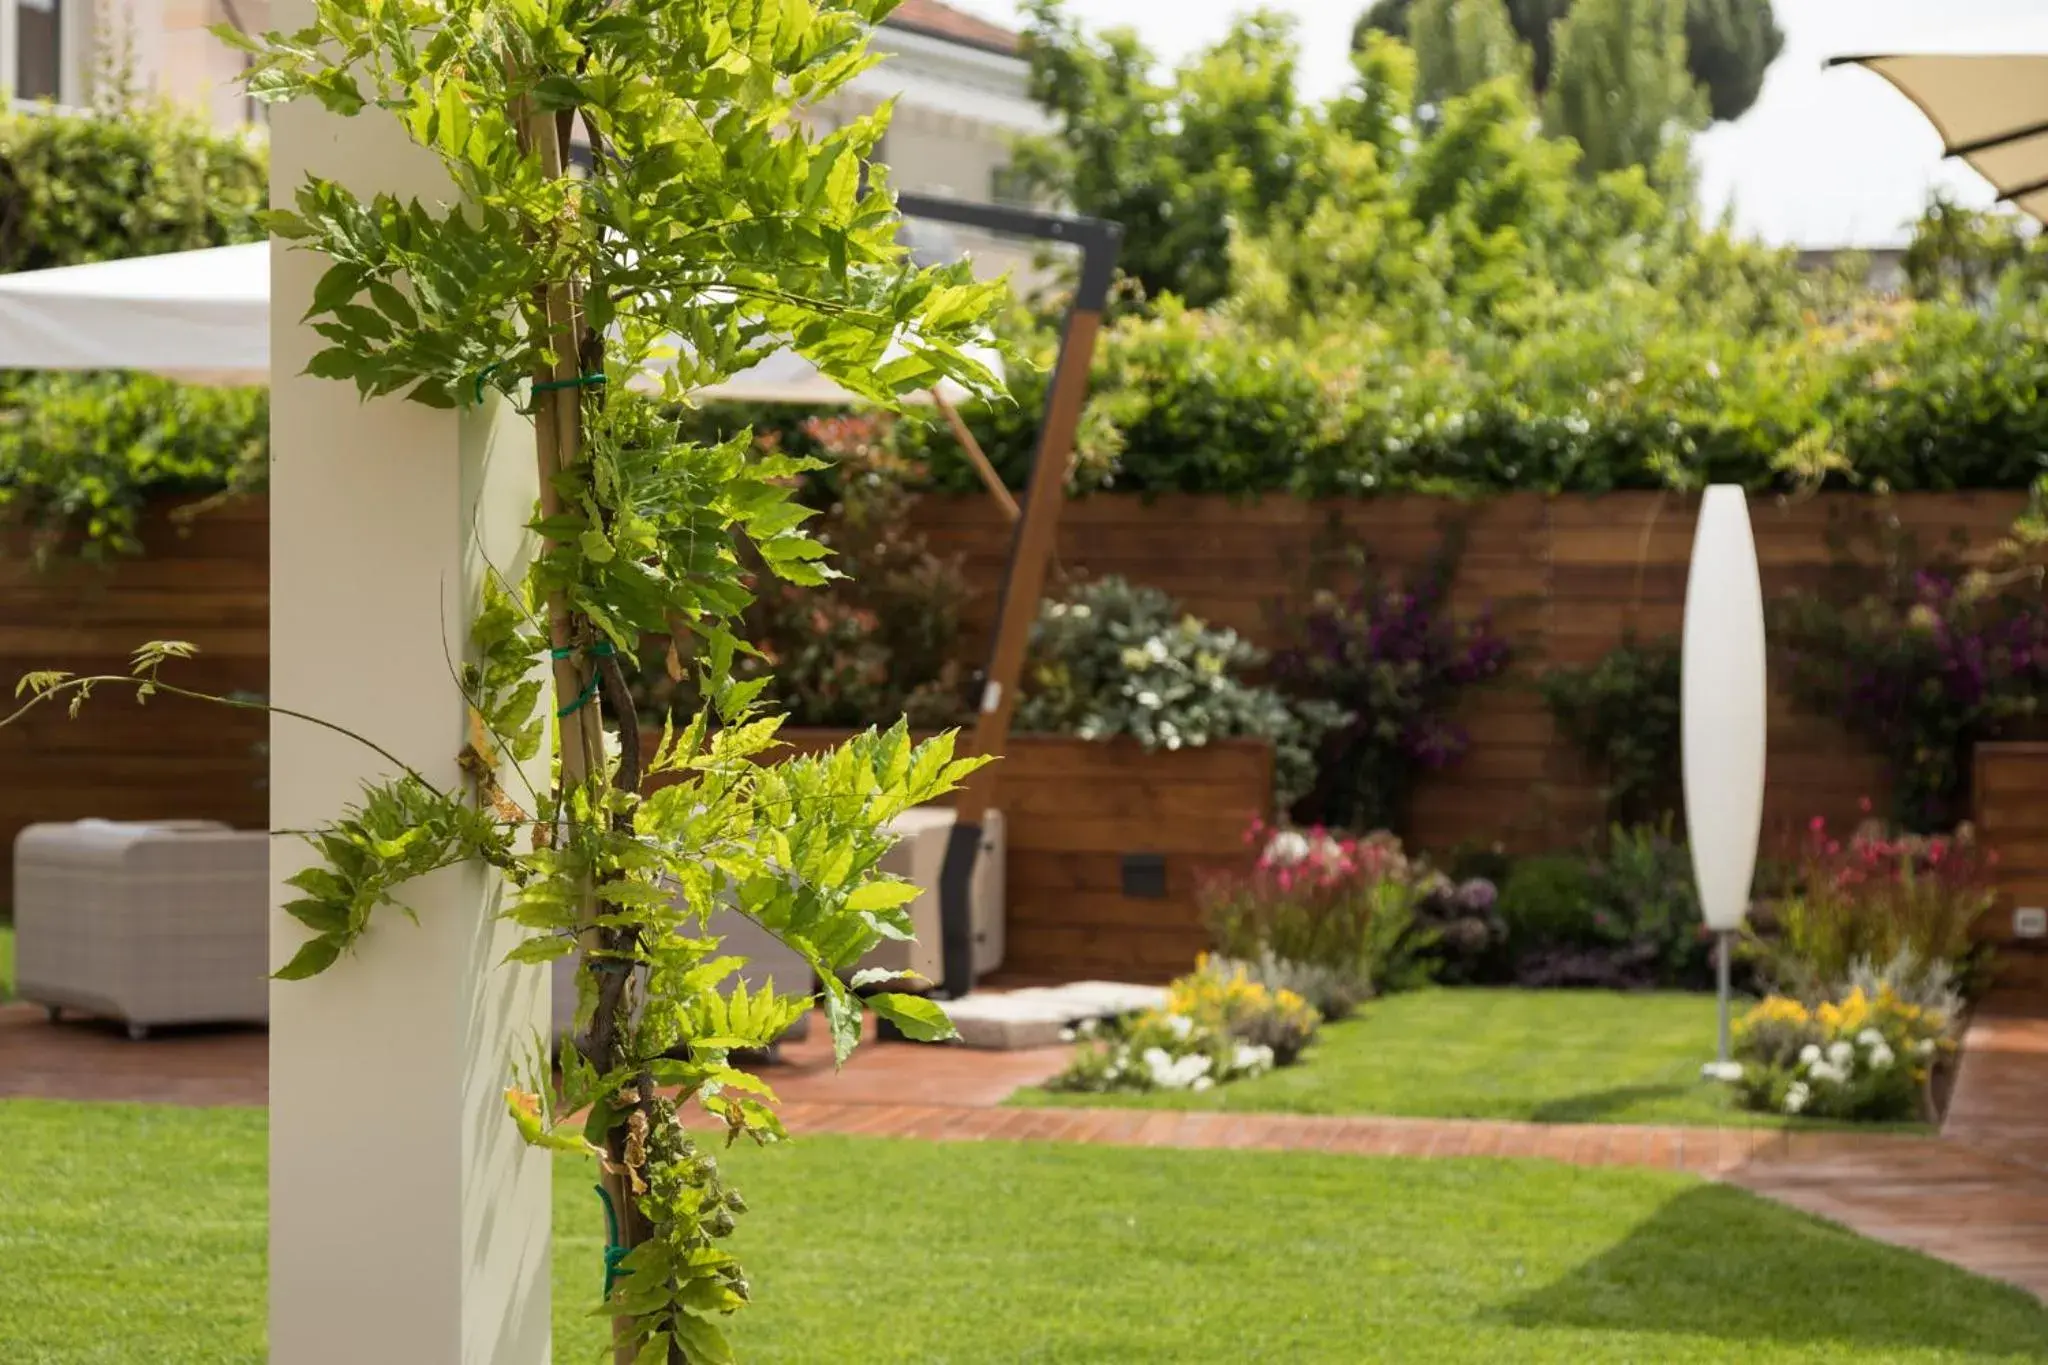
{"x": 6, "y": 962}
{"x": 1550, "y": 1056}
{"x": 131, "y": 1233}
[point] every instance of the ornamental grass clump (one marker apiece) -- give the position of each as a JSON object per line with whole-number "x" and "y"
{"x": 1346, "y": 906}
{"x": 1217, "y": 1025}
{"x": 1872, "y": 898}
{"x": 1863, "y": 1057}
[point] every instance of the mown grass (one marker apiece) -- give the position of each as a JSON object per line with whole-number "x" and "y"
{"x": 133, "y": 1233}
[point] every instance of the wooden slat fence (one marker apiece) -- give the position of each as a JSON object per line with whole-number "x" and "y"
{"x": 206, "y": 583}
{"x": 1565, "y": 579}
{"x": 2011, "y": 808}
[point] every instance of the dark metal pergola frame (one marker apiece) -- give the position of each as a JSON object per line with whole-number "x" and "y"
{"x": 1031, "y": 541}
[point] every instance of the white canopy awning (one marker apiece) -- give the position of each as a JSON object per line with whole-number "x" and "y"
{"x": 204, "y": 317}
{"x": 197, "y": 315}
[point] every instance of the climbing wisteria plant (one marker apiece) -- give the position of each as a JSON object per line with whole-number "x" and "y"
{"x": 708, "y": 226}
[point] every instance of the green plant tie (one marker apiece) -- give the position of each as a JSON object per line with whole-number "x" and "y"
{"x": 601, "y": 650}
{"x": 484, "y": 374}
{"x": 580, "y": 381}
{"x": 614, "y": 1252}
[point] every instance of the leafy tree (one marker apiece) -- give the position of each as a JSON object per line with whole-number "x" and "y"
{"x": 1620, "y": 87}
{"x": 1460, "y": 44}
{"x": 1179, "y": 164}
{"x": 1967, "y": 253}
{"x": 1730, "y": 43}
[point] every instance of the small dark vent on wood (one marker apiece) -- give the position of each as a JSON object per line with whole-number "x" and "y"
{"x": 1145, "y": 875}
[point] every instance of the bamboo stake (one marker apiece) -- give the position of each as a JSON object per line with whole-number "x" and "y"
{"x": 558, "y": 441}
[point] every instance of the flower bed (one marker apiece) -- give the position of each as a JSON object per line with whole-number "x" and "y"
{"x": 1870, "y": 1057}
{"x": 1218, "y": 1025}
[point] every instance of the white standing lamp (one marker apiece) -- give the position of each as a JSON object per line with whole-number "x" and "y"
{"x": 1722, "y": 716}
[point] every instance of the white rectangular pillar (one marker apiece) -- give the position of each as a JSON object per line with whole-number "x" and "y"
{"x": 408, "y": 1223}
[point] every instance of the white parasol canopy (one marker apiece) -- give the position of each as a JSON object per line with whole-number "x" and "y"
{"x": 1986, "y": 92}
{"x": 204, "y": 317}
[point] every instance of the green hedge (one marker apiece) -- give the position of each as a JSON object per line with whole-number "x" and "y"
{"x": 1608, "y": 394}
{"x": 76, "y": 188}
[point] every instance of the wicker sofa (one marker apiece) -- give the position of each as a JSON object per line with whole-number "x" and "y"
{"x": 163, "y": 923}
{"x": 767, "y": 956}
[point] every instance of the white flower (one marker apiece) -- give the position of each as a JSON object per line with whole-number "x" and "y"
{"x": 1155, "y": 650}
{"x": 1251, "y": 1059}
{"x": 1826, "y": 1071}
{"x": 1082, "y": 610}
{"x": 1181, "y": 1025}
{"x": 1870, "y": 1037}
{"x": 1201, "y": 1083}
{"x": 1796, "y": 1096}
{"x": 1842, "y": 1053}
{"x": 1287, "y": 848}
{"x": 1924, "y": 1048}
{"x": 1882, "y": 1057}
{"x": 1809, "y": 1054}
{"x": 1068, "y": 1035}
{"x": 1722, "y": 1071}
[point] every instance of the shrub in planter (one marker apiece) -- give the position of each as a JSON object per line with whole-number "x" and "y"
{"x": 1217, "y": 1026}
{"x": 1624, "y": 918}
{"x": 1862, "y": 1057}
{"x": 1467, "y": 934}
{"x": 1344, "y": 906}
{"x": 1621, "y": 713}
{"x": 1549, "y": 901}
{"x": 1113, "y": 658}
{"x": 1922, "y": 665}
{"x": 1391, "y": 656}
{"x": 1871, "y": 898}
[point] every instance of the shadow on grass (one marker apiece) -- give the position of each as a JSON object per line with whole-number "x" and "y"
{"x": 1595, "y": 1105}
{"x": 1718, "y": 1262}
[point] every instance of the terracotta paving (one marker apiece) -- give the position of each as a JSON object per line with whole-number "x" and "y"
{"x": 1977, "y": 1195}
{"x": 82, "y": 1059}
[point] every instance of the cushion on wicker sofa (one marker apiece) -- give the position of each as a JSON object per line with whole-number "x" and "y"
{"x": 154, "y": 923}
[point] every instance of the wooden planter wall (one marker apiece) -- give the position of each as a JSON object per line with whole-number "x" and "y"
{"x": 208, "y": 584}
{"x": 2011, "y": 807}
{"x": 1075, "y": 811}
{"x": 1565, "y": 578}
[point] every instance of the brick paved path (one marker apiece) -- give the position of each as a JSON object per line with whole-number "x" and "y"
{"x": 1977, "y": 1195}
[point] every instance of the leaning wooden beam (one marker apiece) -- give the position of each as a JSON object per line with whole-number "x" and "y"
{"x": 965, "y": 436}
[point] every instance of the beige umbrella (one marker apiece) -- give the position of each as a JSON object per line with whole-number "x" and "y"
{"x": 1986, "y": 92}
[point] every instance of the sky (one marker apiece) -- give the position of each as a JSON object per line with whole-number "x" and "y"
{"x": 1825, "y": 158}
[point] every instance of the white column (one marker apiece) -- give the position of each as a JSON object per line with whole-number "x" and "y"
{"x": 407, "y": 1221}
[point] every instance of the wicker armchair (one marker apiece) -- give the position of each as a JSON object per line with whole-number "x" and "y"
{"x": 164, "y": 923}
